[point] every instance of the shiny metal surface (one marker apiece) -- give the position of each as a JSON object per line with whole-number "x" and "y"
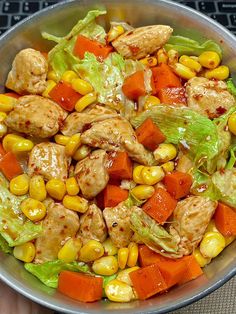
{"x": 58, "y": 21}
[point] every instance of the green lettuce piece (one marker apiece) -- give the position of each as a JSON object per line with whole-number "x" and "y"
{"x": 3, "y": 181}
{"x": 15, "y": 228}
{"x": 187, "y": 46}
{"x": 232, "y": 158}
{"x": 231, "y": 86}
{"x": 48, "y": 272}
{"x": 4, "y": 247}
{"x": 151, "y": 233}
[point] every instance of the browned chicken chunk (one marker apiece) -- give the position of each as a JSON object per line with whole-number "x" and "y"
{"x": 92, "y": 225}
{"x": 208, "y": 97}
{"x": 48, "y": 160}
{"x": 59, "y": 225}
{"x": 118, "y": 224}
{"x": 36, "y": 116}
{"x": 91, "y": 173}
{"x": 142, "y": 41}
{"x": 29, "y": 72}
{"x": 116, "y": 134}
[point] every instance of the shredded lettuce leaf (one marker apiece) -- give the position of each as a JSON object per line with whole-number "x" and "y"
{"x": 4, "y": 247}
{"x": 231, "y": 86}
{"x": 188, "y": 46}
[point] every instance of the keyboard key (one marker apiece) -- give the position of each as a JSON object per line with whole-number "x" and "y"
{"x": 2, "y": 30}
{"x": 189, "y": 4}
{"x": 17, "y": 18}
{"x": 227, "y": 6}
{"x": 233, "y": 19}
{"x": 220, "y": 18}
{"x": 207, "y": 7}
{"x": 3, "y": 20}
{"x": 48, "y": 3}
{"x": 30, "y": 7}
{"x": 11, "y": 7}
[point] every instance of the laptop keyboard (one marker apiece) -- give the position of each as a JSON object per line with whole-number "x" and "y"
{"x": 12, "y": 12}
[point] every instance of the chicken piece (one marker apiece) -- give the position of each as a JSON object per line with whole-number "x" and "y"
{"x": 91, "y": 173}
{"x": 92, "y": 225}
{"x": 208, "y": 97}
{"x": 59, "y": 224}
{"x": 118, "y": 224}
{"x": 116, "y": 134}
{"x": 29, "y": 72}
{"x": 142, "y": 41}
{"x": 36, "y": 116}
{"x": 77, "y": 121}
{"x": 48, "y": 160}
{"x": 190, "y": 220}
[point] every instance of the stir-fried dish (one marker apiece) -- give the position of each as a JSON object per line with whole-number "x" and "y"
{"x": 117, "y": 160}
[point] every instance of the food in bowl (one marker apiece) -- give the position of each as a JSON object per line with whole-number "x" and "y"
{"x": 117, "y": 160}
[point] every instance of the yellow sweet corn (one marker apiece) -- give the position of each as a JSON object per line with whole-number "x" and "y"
{"x": 209, "y": 59}
{"x": 3, "y": 129}
{"x": 190, "y": 63}
{"x": 52, "y": 76}
{"x": 50, "y": 84}
{"x": 123, "y": 275}
{"x": 37, "y": 188}
{"x": 70, "y": 250}
{"x": 24, "y": 252}
{"x": 183, "y": 71}
{"x": 114, "y": 32}
{"x": 168, "y": 166}
{"x": 69, "y": 76}
{"x": 143, "y": 192}
{"x": 133, "y": 254}
{"x": 9, "y": 140}
{"x": 56, "y": 189}
{"x": 220, "y": 73}
{"x": 19, "y": 185}
{"x": 72, "y": 186}
{"x": 85, "y": 101}
{"x": 211, "y": 227}
{"x": 123, "y": 254}
{"x": 82, "y": 152}
{"x": 173, "y": 56}
{"x": 149, "y": 61}
{"x": 91, "y": 251}
{"x": 33, "y": 209}
{"x": 152, "y": 175}
{"x": 75, "y": 203}
{"x": 3, "y": 116}
{"x": 105, "y": 266}
{"x": 150, "y": 102}
{"x": 118, "y": 291}
{"x": 137, "y": 176}
{"x": 212, "y": 244}
{"x": 162, "y": 56}
{"x": 7, "y": 103}
{"x": 109, "y": 247}
{"x": 81, "y": 86}
{"x": 165, "y": 152}
{"x": 73, "y": 144}
{"x": 61, "y": 139}
{"x": 201, "y": 260}
{"x": 232, "y": 123}
{"x": 22, "y": 146}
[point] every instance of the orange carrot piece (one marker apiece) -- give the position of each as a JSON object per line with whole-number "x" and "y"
{"x": 192, "y": 268}
{"x": 148, "y": 257}
{"x": 172, "y": 271}
{"x": 10, "y": 166}
{"x": 14, "y": 95}
{"x": 178, "y": 184}
{"x": 149, "y": 134}
{"x": 225, "y": 220}
{"x": 2, "y": 151}
{"x": 84, "y": 44}
{"x": 134, "y": 86}
{"x": 113, "y": 195}
{"x": 164, "y": 77}
{"x": 160, "y": 206}
{"x": 81, "y": 287}
{"x": 148, "y": 281}
{"x": 119, "y": 166}
{"x": 172, "y": 96}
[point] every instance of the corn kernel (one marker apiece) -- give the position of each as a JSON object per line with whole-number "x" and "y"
{"x": 229, "y": 240}
{"x": 56, "y": 189}
{"x": 91, "y": 251}
{"x": 123, "y": 254}
{"x": 3, "y": 116}
{"x": 52, "y": 76}
{"x": 165, "y": 152}
{"x": 211, "y": 227}
{"x": 220, "y": 73}
{"x": 195, "y": 58}
{"x": 24, "y": 252}
{"x": 61, "y": 139}
{"x": 173, "y": 56}
{"x": 19, "y": 185}
{"x": 168, "y": 166}
{"x": 82, "y": 152}
{"x": 209, "y": 59}
{"x": 75, "y": 203}
{"x": 7, "y": 103}
{"x": 72, "y": 187}
{"x": 232, "y": 123}
{"x": 190, "y": 63}
{"x": 81, "y": 86}
{"x": 3, "y": 129}
{"x": 162, "y": 56}
{"x": 183, "y": 71}
{"x": 22, "y": 146}
{"x": 37, "y": 188}
{"x": 70, "y": 250}
{"x": 152, "y": 175}
{"x": 149, "y": 61}
{"x": 85, "y": 101}
{"x": 33, "y": 209}
{"x": 212, "y": 244}
{"x": 50, "y": 84}
{"x": 69, "y": 76}
{"x": 201, "y": 260}
{"x": 118, "y": 291}
{"x": 109, "y": 247}
{"x": 123, "y": 275}
{"x": 73, "y": 144}
{"x": 137, "y": 176}
{"x": 143, "y": 192}
{"x": 105, "y": 266}
{"x": 150, "y": 102}
{"x": 9, "y": 140}
{"x": 133, "y": 254}
{"x": 114, "y": 32}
